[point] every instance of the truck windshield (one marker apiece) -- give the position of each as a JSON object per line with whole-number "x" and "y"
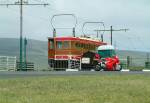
{"x": 106, "y": 53}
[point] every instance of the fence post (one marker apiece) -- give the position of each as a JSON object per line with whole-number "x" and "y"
{"x": 7, "y": 65}
{"x": 128, "y": 61}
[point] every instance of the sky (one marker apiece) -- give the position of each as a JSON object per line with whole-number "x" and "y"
{"x": 131, "y": 14}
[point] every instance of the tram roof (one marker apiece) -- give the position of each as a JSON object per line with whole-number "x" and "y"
{"x": 81, "y": 39}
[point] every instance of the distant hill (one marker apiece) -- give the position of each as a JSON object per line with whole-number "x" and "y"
{"x": 133, "y": 54}
{"x": 37, "y": 51}
{"x": 137, "y": 58}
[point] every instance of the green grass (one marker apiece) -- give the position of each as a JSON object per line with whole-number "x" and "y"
{"x": 136, "y": 68}
{"x": 77, "y": 89}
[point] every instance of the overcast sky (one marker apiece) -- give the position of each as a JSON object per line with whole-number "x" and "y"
{"x": 131, "y": 14}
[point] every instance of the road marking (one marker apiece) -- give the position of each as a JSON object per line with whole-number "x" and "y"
{"x": 72, "y": 70}
{"x": 125, "y": 70}
{"x": 146, "y": 70}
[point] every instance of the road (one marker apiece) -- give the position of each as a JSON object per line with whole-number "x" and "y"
{"x": 9, "y": 75}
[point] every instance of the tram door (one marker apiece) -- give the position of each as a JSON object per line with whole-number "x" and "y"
{"x": 51, "y": 52}
{"x": 51, "y": 46}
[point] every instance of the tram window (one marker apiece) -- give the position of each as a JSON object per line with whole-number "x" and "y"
{"x": 77, "y": 45}
{"x": 96, "y": 47}
{"x": 82, "y": 45}
{"x": 92, "y": 47}
{"x": 66, "y": 44}
{"x": 51, "y": 44}
{"x": 86, "y": 45}
{"x": 59, "y": 45}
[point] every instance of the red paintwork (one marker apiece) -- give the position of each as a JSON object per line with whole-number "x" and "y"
{"x": 63, "y": 57}
{"x": 72, "y": 52}
{"x": 65, "y": 38}
{"x": 78, "y": 39}
{"x": 76, "y": 57}
{"x": 97, "y": 57}
{"x": 111, "y": 63}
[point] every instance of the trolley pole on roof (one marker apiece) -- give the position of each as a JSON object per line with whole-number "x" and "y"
{"x": 21, "y": 3}
{"x": 111, "y": 32}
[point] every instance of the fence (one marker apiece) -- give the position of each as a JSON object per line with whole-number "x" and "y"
{"x": 131, "y": 62}
{"x": 7, "y": 63}
{"x": 28, "y": 66}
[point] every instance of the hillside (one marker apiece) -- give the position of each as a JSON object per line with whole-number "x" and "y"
{"x": 37, "y": 51}
{"x": 134, "y": 54}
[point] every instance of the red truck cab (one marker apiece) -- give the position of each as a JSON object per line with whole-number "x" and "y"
{"x": 109, "y": 60}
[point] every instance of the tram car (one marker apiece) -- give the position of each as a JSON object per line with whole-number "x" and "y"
{"x": 72, "y": 52}
{"x": 66, "y": 52}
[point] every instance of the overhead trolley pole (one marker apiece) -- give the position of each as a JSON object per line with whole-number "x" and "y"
{"x": 111, "y": 31}
{"x": 21, "y": 3}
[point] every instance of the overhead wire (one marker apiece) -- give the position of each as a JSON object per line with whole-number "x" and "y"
{"x": 28, "y": 16}
{"x": 130, "y": 45}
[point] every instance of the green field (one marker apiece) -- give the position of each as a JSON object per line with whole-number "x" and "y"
{"x": 106, "y": 88}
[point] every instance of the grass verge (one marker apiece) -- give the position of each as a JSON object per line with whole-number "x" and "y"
{"x": 77, "y": 89}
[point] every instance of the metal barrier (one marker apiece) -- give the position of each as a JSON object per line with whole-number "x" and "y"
{"x": 147, "y": 64}
{"x": 131, "y": 62}
{"x": 28, "y": 66}
{"x": 7, "y": 63}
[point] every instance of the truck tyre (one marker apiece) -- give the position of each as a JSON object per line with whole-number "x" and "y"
{"x": 97, "y": 68}
{"x": 118, "y": 67}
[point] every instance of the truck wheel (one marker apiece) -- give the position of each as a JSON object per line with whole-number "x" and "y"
{"x": 118, "y": 67}
{"x": 97, "y": 68}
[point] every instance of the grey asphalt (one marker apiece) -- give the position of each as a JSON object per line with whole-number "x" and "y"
{"x": 9, "y": 74}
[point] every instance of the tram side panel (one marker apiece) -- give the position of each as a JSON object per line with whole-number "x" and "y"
{"x": 63, "y": 54}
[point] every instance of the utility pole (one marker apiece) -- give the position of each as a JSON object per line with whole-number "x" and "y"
{"x": 25, "y": 52}
{"x": 111, "y": 31}
{"x": 21, "y": 3}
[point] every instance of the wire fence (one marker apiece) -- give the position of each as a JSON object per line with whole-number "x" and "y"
{"x": 138, "y": 63}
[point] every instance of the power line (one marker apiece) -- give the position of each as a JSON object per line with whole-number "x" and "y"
{"x": 111, "y": 31}
{"x": 40, "y": 1}
{"x": 29, "y": 15}
{"x": 21, "y": 3}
